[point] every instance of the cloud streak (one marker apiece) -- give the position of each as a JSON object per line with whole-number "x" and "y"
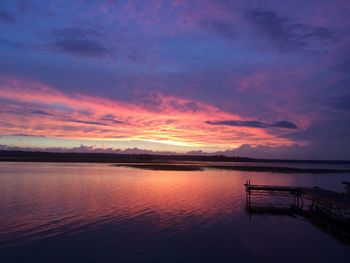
{"x": 255, "y": 124}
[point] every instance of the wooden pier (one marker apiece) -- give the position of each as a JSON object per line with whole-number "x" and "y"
{"x": 331, "y": 207}
{"x": 314, "y": 194}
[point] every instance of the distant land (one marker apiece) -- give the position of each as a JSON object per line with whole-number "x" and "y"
{"x": 174, "y": 162}
{"x": 31, "y": 156}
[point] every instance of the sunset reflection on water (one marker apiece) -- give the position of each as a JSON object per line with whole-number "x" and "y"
{"x": 54, "y": 212}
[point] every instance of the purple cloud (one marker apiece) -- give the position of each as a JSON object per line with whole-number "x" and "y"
{"x": 255, "y": 124}
{"x": 286, "y": 34}
{"x": 7, "y": 17}
{"x": 78, "y": 41}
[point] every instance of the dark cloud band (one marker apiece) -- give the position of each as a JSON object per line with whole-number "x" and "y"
{"x": 255, "y": 124}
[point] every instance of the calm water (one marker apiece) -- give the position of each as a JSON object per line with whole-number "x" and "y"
{"x": 98, "y": 213}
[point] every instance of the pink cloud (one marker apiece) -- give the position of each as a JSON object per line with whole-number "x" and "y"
{"x": 40, "y": 110}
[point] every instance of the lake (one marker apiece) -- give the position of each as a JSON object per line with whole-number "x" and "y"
{"x": 58, "y": 212}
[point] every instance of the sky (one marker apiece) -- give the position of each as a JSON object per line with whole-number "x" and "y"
{"x": 265, "y": 79}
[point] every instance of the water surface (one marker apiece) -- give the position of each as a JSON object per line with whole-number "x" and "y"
{"x": 56, "y": 212}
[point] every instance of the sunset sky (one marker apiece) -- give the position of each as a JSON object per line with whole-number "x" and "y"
{"x": 266, "y": 79}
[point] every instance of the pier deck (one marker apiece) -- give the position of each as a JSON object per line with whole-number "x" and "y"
{"x": 314, "y": 194}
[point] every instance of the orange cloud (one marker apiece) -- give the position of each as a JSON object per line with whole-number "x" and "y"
{"x": 37, "y": 109}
